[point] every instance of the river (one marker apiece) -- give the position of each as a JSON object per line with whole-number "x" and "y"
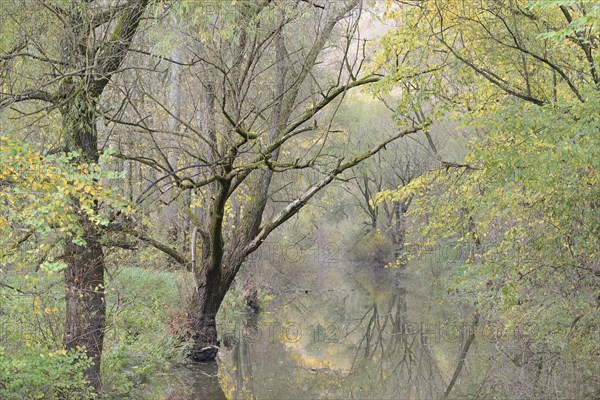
{"x": 346, "y": 331}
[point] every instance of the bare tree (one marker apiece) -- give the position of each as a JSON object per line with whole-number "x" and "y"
{"x": 401, "y": 163}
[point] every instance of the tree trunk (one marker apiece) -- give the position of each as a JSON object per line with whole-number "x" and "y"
{"x": 84, "y": 275}
{"x": 211, "y": 283}
{"x": 399, "y": 229}
{"x": 206, "y": 302}
{"x": 176, "y": 236}
{"x": 214, "y": 282}
{"x": 85, "y": 305}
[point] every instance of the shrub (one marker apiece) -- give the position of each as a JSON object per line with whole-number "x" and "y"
{"x": 373, "y": 247}
{"x": 38, "y": 373}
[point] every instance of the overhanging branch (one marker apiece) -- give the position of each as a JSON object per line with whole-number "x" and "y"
{"x": 297, "y": 204}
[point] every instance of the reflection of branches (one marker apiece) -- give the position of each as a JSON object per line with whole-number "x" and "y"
{"x": 397, "y": 353}
{"x": 202, "y": 382}
{"x": 461, "y": 358}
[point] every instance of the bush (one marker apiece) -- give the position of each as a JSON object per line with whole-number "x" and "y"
{"x": 141, "y": 342}
{"x": 38, "y": 373}
{"x": 373, "y": 247}
{"x": 143, "y": 306}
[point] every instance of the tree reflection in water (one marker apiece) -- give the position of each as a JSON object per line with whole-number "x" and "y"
{"x": 363, "y": 334}
{"x": 391, "y": 361}
{"x": 357, "y": 341}
{"x": 194, "y": 382}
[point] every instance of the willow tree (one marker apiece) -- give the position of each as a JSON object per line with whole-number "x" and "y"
{"x": 59, "y": 57}
{"x": 260, "y": 96}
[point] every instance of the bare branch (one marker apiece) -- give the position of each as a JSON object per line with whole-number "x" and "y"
{"x": 33, "y": 95}
{"x": 174, "y": 254}
{"x": 297, "y": 204}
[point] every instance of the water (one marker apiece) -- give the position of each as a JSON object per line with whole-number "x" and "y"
{"x": 351, "y": 332}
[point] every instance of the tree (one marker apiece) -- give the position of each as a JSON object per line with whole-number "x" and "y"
{"x": 69, "y": 76}
{"x": 261, "y": 100}
{"x": 367, "y": 120}
{"x": 526, "y": 196}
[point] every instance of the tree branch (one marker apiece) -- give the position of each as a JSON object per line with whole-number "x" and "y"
{"x": 115, "y": 52}
{"x": 174, "y": 254}
{"x": 33, "y": 95}
{"x": 297, "y": 204}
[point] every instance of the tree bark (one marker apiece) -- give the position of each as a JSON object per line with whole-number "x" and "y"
{"x": 206, "y": 302}
{"x": 214, "y": 282}
{"x": 84, "y": 275}
{"x": 85, "y": 305}
{"x": 210, "y": 289}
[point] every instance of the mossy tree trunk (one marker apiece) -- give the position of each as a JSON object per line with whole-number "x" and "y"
{"x": 78, "y": 98}
{"x": 84, "y": 275}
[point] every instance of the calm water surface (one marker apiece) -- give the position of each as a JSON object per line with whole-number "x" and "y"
{"x": 341, "y": 331}
{"x": 349, "y": 332}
